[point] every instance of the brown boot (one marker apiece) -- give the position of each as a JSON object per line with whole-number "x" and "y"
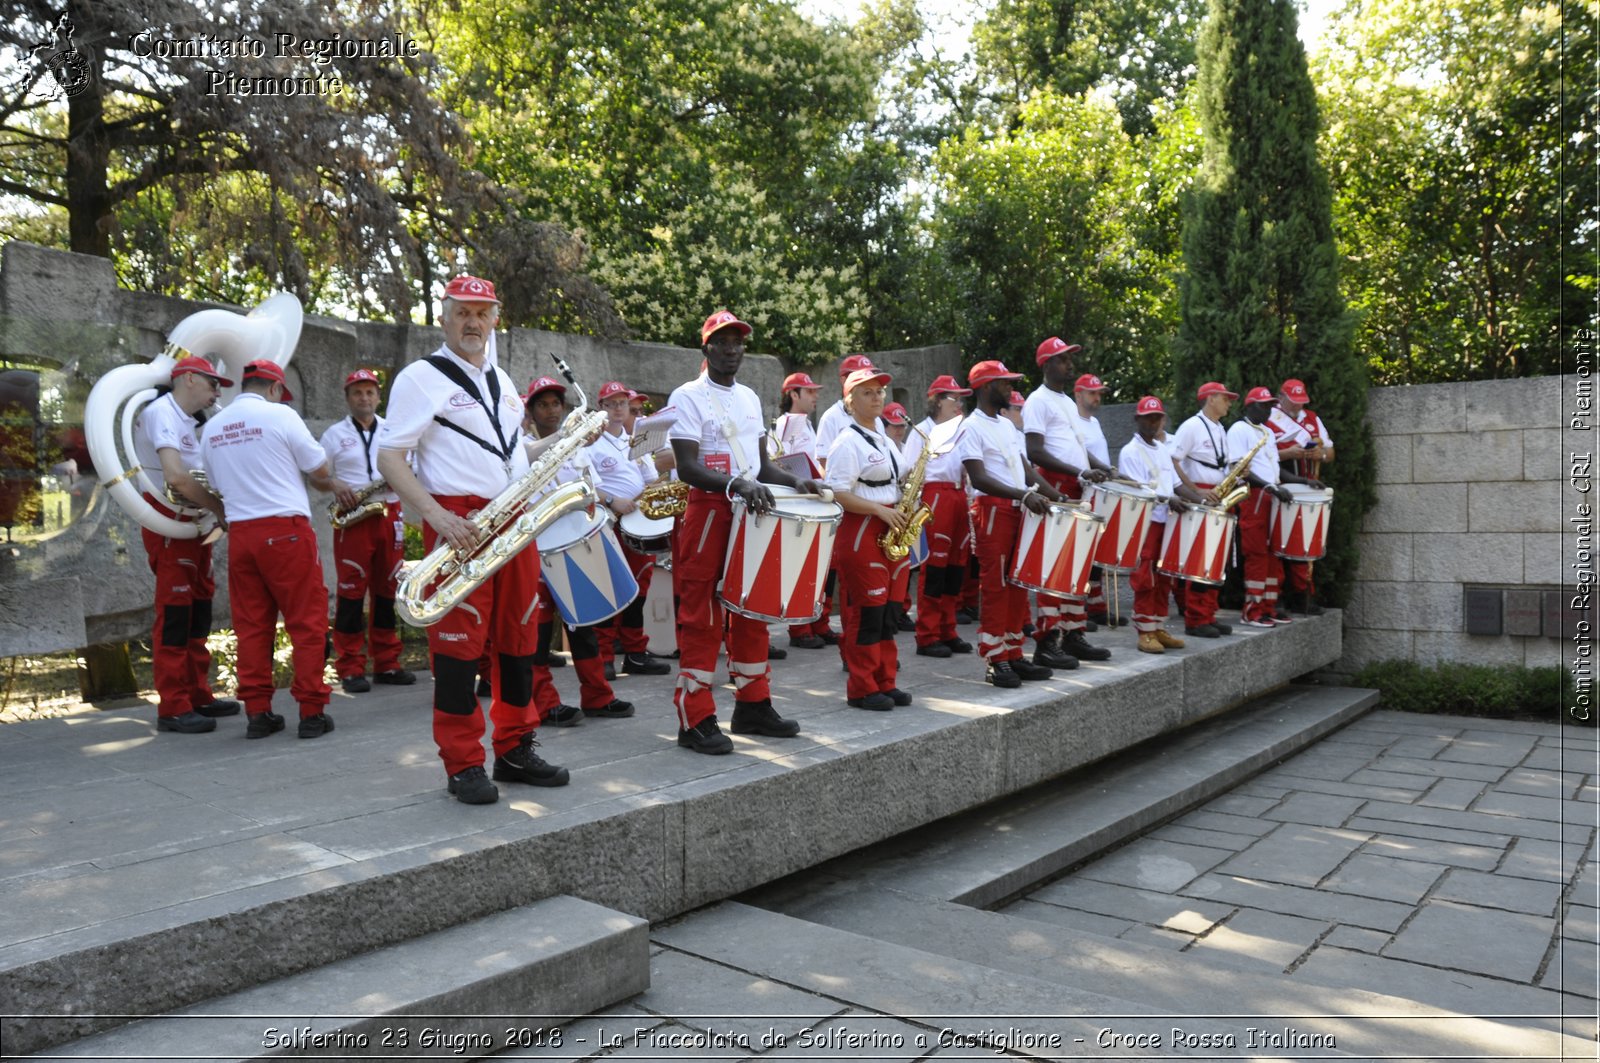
{"x": 1148, "y": 643}
{"x": 1171, "y": 642}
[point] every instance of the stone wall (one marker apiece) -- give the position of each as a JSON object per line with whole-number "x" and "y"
{"x": 88, "y": 581}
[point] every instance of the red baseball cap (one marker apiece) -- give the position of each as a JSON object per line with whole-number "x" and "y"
{"x": 1295, "y": 391}
{"x": 1148, "y": 404}
{"x": 895, "y": 413}
{"x": 265, "y": 370}
{"x": 543, "y": 384}
{"x": 865, "y": 376}
{"x": 854, "y": 362}
{"x": 637, "y": 396}
{"x": 946, "y": 383}
{"x": 611, "y": 389}
{"x": 362, "y": 376}
{"x": 1260, "y": 395}
{"x": 1017, "y": 400}
{"x": 470, "y": 289}
{"x": 983, "y": 372}
{"x": 1053, "y": 346}
{"x": 800, "y": 380}
{"x": 1088, "y": 382}
{"x": 1211, "y": 387}
{"x": 196, "y": 364}
{"x": 720, "y": 320}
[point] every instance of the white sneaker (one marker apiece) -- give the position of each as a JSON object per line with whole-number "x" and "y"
{"x": 1258, "y": 622}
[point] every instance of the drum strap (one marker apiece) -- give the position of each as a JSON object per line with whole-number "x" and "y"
{"x": 464, "y": 382}
{"x": 894, "y": 466}
{"x": 730, "y": 433}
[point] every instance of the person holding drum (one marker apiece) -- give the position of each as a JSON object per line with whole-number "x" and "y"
{"x": 1306, "y": 451}
{"x": 1200, "y": 447}
{"x": 1055, "y": 447}
{"x": 796, "y": 443}
{"x": 1087, "y": 394}
{"x": 987, "y": 447}
{"x": 1148, "y": 459}
{"x": 720, "y": 445}
{"x": 1262, "y": 569}
{"x": 949, "y": 530}
{"x": 864, "y": 471}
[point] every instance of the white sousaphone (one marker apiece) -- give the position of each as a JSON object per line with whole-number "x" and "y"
{"x": 267, "y": 333}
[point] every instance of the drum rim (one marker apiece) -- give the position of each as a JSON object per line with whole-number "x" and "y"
{"x": 597, "y": 522}
{"x": 1127, "y": 491}
{"x": 750, "y": 614}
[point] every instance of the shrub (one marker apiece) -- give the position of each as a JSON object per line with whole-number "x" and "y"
{"x": 1496, "y": 691}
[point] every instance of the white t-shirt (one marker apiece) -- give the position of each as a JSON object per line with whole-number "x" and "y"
{"x": 867, "y": 464}
{"x": 162, "y": 424}
{"x": 702, "y": 406}
{"x": 944, "y": 466}
{"x": 255, "y": 453}
{"x": 833, "y": 421}
{"x": 447, "y": 462}
{"x": 618, "y": 476}
{"x": 1242, "y": 436}
{"x": 1150, "y": 462}
{"x": 1201, "y": 446}
{"x": 1094, "y": 438}
{"x": 996, "y": 442}
{"x": 1054, "y": 416}
{"x": 353, "y": 452}
{"x": 794, "y": 434}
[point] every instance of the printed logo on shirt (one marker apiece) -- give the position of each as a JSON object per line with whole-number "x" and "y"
{"x": 876, "y": 459}
{"x": 608, "y": 463}
{"x": 187, "y": 442}
{"x": 512, "y": 403}
{"x": 346, "y": 443}
{"x": 462, "y": 401}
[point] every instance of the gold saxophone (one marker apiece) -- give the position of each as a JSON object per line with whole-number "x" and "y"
{"x": 506, "y": 526}
{"x": 1230, "y": 492}
{"x": 897, "y": 544}
{"x": 664, "y": 499}
{"x": 369, "y": 503}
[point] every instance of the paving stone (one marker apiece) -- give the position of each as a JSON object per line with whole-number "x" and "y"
{"x": 1560, "y": 758}
{"x": 1549, "y": 861}
{"x": 1453, "y": 769}
{"x": 1429, "y": 831}
{"x": 1488, "y": 747}
{"x": 1357, "y": 938}
{"x": 691, "y": 988}
{"x": 1409, "y": 723}
{"x": 1452, "y": 793}
{"x": 1316, "y": 810}
{"x": 1316, "y": 765}
{"x": 1573, "y": 969}
{"x": 1089, "y": 922}
{"x": 1295, "y": 854}
{"x": 1158, "y": 936}
{"x": 1487, "y": 890}
{"x": 1270, "y": 939}
{"x": 1385, "y": 878}
{"x": 1422, "y": 747}
{"x": 1156, "y": 865}
{"x": 1581, "y": 922}
{"x": 1431, "y": 851}
{"x": 1298, "y": 900}
{"x": 1480, "y": 940}
{"x": 1227, "y": 824}
{"x": 1143, "y": 906}
{"x": 1563, "y": 785}
{"x": 1214, "y": 839}
{"x": 1549, "y": 809}
{"x": 1352, "y": 789}
{"x": 1394, "y": 780}
{"x": 1239, "y": 804}
{"x": 1468, "y": 821}
{"x": 1467, "y": 994}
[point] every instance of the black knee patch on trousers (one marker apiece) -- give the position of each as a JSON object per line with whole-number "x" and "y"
{"x": 200, "y": 618}
{"x": 383, "y": 613}
{"x": 955, "y": 579}
{"x": 176, "y": 621}
{"x": 516, "y": 679}
{"x": 632, "y": 617}
{"x": 831, "y": 584}
{"x": 541, "y": 653}
{"x": 872, "y": 621}
{"x": 349, "y": 616}
{"x": 455, "y": 684}
{"x": 584, "y": 643}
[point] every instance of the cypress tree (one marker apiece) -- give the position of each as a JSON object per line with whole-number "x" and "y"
{"x": 1259, "y": 298}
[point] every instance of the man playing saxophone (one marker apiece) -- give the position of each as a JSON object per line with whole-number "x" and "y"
{"x": 462, "y": 417}
{"x": 368, "y": 552}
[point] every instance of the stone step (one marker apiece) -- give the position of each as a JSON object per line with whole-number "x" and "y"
{"x": 465, "y": 992}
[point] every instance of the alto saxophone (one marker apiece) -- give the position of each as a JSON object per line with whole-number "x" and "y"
{"x": 897, "y": 544}
{"x": 1230, "y": 492}
{"x": 664, "y": 499}
{"x": 369, "y": 503}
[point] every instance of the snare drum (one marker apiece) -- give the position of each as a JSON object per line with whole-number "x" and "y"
{"x": 777, "y": 563}
{"x": 1055, "y": 551}
{"x": 1196, "y": 545}
{"x": 1299, "y": 529}
{"x": 643, "y": 535}
{"x": 1127, "y": 510}
{"x": 584, "y": 568}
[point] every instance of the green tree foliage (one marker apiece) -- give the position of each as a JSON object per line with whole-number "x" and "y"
{"x": 1445, "y": 141}
{"x": 1259, "y": 296}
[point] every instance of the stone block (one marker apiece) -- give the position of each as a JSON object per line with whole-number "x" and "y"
{"x": 1432, "y": 647}
{"x": 1446, "y": 558}
{"x": 1153, "y": 864}
{"x": 1543, "y": 653}
{"x": 1480, "y": 940}
{"x": 1301, "y": 900}
{"x": 1417, "y": 408}
{"x": 1542, "y": 561}
{"x": 1466, "y": 457}
{"x": 49, "y": 618}
{"x": 1387, "y": 558}
{"x": 1494, "y": 405}
{"x": 1406, "y": 606}
{"x": 1261, "y": 938}
{"x": 1294, "y": 854}
{"x": 1544, "y": 457}
{"x": 1363, "y": 646}
{"x": 1420, "y": 508}
{"x": 1514, "y": 507}
{"x": 1391, "y": 459}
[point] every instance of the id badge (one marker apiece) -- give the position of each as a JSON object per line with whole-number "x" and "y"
{"x": 718, "y": 462}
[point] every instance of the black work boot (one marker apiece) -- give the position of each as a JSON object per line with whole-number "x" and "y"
{"x": 522, "y": 764}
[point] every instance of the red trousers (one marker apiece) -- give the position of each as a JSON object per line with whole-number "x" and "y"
{"x": 868, "y": 583}
{"x": 1066, "y": 613}
{"x": 594, "y": 692}
{"x": 1198, "y": 600}
{"x": 945, "y": 571}
{"x": 997, "y": 522}
{"x": 700, "y": 542}
{"x": 1297, "y": 577}
{"x": 367, "y": 558}
{"x": 627, "y": 626}
{"x": 184, "y": 589}
{"x": 1262, "y": 570}
{"x": 274, "y": 567}
{"x": 498, "y": 614}
{"x": 1150, "y": 587}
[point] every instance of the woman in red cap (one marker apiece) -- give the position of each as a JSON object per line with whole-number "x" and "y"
{"x": 796, "y": 440}
{"x": 949, "y": 530}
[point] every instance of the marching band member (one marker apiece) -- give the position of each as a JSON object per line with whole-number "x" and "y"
{"x": 367, "y": 555}
{"x": 255, "y": 453}
{"x": 987, "y": 447}
{"x": 720, "y": 446}
{"x": 949, "y": 530}
{"x": 864, "y": 472}
{"x": 836, "y": 418}
{"x": 1056, "y": 449}
{"x": 794, "y": 435}
{"x": 460, "y": 413}
{"x": 1307, "y": 452}
{"x": 1086, "y": 394}
{"x": 896, "y": 423}
{"x": 1148, "y": 459}
{"x": 1262, "y": 570}
{"x": 621, "y": 481}
{"x": 167, "y": 444}
{"x": 1201, "y": 448}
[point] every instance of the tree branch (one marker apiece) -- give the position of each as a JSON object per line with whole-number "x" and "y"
{"x": 39, "y": 195}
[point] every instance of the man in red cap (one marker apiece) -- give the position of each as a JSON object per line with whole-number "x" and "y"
{"x": 987, "y": 446}
{"x": 367, "y": 554}
{"x": 1303, "y": 442}
{"x": 836, "y": 418}
{"x": 167, "y": 444}
{"x": 792, "y": 431}
{"x": 1147, "y": 458}
{"x": 256, "y": 453}
{"x": 1087, "y": 393}
{"x": 1262, "y": 569}
{"x": 1200, "y": 446}
{"x": 460, "y": 414}
{"x": 721, "y": 449}
{"x": 949, "y": 530}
